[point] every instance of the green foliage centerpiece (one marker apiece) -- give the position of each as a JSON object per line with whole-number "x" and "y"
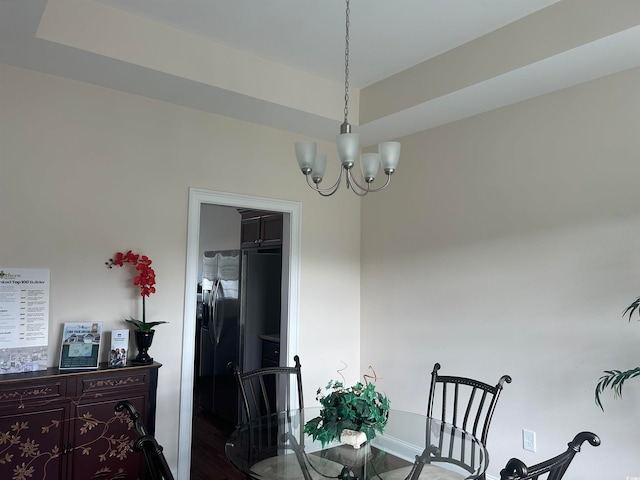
{"x": 359, "y": 408}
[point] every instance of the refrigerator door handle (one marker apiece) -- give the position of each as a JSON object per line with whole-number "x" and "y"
{"x": 215, "y": 329}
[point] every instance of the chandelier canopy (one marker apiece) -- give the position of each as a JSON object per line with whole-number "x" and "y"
{"x": 313, "y": 164}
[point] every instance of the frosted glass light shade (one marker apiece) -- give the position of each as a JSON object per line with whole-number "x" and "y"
{"x": 305, "y": 154}
{"x": 348, "y": 145}
{"x": 319, "y": 167}
{"x": 369, "y": 163}
{"x": 389, "y": 155}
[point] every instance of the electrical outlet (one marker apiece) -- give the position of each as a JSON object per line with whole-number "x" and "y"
{"x": 528, "y": 440}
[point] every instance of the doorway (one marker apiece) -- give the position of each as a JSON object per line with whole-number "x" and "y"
{"x": 290, "y": 274}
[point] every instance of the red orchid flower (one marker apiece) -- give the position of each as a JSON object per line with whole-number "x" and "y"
{"x": 145, "y": 280}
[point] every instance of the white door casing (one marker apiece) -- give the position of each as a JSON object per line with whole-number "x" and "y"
{"x": 291, "y": 265}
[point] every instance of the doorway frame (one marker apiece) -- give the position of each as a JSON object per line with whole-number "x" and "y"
{"x": 198, "y": 197}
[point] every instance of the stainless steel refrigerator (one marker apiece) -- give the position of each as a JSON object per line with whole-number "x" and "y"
{"x": 241, "y": 300}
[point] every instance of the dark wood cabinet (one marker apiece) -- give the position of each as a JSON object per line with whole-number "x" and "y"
{"x": 260, "y": 229}
{"x": 63, "y": 425}
{"x": 270, "y": 353}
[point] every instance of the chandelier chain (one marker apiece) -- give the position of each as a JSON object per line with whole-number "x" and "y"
{"x": 346, "y": 65}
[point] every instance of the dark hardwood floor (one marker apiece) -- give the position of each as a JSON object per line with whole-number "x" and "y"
{"x": 208, "y": 460}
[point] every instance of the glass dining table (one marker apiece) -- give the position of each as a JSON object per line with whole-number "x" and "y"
{"x": 412, "y": 447}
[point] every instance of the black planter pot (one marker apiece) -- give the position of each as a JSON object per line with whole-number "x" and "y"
{"x": 143, "y": 342}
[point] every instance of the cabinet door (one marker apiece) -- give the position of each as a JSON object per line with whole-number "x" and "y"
{"x": 250, "y": 234}
{"x": 102, "y": 441}
{"x": 271, "y": 231}
{"x": 32, "y": 443}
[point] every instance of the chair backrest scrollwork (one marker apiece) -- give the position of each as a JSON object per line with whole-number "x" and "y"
{"x": 156, "y": 464}
{"x": 552, "y": 469}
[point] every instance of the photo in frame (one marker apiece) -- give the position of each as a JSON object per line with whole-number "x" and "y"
{"x": 80, "y": 347}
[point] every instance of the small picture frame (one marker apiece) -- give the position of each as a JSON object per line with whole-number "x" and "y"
{"x": 80, "y": 347}
{"x": 119, "y": 348}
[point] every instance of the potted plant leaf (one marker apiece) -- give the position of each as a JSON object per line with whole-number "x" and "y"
{"x": 145, "y": 280}
{"x": 359, "y": 408}
{"x": 614, "y": 379}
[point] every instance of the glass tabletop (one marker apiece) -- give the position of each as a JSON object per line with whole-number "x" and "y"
{"x": 412, "y": 446}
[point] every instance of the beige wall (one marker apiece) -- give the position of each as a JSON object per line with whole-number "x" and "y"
{"x": 508, "y": 243}
{"x": 86, "y": 171}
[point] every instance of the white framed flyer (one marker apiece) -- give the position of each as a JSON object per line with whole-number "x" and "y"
{"x": 80, "y": 348}
{"x": 24, "y": 319}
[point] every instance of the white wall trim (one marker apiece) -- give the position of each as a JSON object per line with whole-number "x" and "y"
{"x": 197, "y": 197}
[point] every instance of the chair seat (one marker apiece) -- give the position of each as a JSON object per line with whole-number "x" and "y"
{"x": 287, "y": 466}
{"x": 430, "y": 472}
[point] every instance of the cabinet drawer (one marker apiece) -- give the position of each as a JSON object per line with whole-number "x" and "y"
{"x": 34, "y": 392}
{"x": 115, "y": 383}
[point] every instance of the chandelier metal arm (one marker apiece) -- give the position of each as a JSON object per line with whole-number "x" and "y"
{"x": 351, "y": 181}
{"x": 325, "y": 192}
{"x": 371, "y": 190}
{"x": 357, "y": 192}
{"x": 353, "y": 184}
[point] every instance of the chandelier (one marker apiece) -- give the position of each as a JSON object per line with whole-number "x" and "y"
{"x": 313, "y": 164}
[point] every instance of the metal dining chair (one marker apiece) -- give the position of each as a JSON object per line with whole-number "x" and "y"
{"x": 465, "y": 403}
{"x": 157, "y": 467}
{"x": 267, "y": 391}
{"x": 468, "y": 405}
{"x": 552, "y": 469}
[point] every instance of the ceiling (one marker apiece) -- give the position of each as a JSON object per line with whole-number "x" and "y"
{"x": 386, "y": 36}
{"x": 306, "y": 38}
